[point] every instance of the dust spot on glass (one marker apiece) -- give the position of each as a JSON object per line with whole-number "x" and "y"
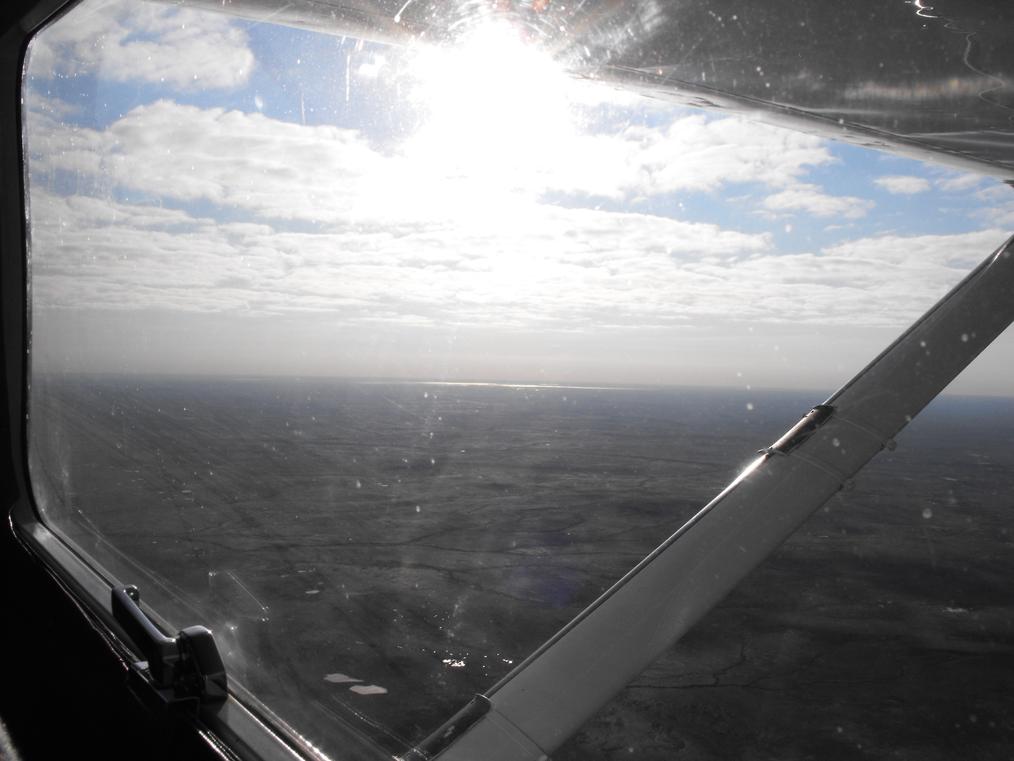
{"x": 338, "y": 678}
{"x": 749, "y": 406}
{"x": 368, "y": 689}
{"x": 927, "y": 513}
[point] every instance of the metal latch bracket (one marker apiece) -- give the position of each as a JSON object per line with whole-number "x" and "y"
{"x": 186, "y": 668}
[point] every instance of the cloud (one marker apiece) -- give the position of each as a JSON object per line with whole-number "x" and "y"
{"x": 1002, "y": 215}
{"x": 695, "y": 153}
{"x": 325, "y": 174}
{"x": 230, "y": 158}
{"x": 959, "y": 182}
{"x": 563, "y": 269}
{"x": 254, "y": 216}
{"x": 998, "y": 205}
{"x": 392, "y": 241}
{"x": 123, "y": 42}
{"x": 903, "y": 184}
{"x": 810, "y": 199}
{"x": 959, "y": 252}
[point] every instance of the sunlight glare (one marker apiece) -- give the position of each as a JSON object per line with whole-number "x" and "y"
{"x": 497, "y": 114}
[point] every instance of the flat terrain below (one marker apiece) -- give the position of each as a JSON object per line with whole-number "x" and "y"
{"x": 370, "y": 555}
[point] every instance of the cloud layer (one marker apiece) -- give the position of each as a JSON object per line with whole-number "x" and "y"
{"x": 487, "y": 217}
{"x": 331, "y": 174}
{"x": 560, "y": 268}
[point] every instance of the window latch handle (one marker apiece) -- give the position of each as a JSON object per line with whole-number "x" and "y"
{"x": 185, "y": 666}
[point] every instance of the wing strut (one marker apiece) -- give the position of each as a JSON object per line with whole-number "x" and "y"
{"x": 552, "y": 693}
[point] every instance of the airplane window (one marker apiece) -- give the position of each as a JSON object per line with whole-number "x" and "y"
{"x": 384, "y": 357}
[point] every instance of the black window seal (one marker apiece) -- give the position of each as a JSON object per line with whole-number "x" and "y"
{"x": 240, "y": 727}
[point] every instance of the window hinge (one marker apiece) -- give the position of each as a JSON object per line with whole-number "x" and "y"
{"x": 184, "y": 668}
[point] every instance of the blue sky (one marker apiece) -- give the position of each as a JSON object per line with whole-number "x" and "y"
{"x": 205, "y": 186}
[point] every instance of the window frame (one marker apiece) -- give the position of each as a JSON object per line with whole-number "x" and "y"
{"x": 240, "y": 727}
{"x": 50, "y": 567}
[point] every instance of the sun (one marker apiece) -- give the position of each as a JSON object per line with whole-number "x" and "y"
{"x": 497, "y": 115}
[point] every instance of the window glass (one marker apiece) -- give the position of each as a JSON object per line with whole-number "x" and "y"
{"x": 384, "y": 360}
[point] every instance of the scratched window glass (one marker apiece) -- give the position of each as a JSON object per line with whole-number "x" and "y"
{"x": 383, "y": 357}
